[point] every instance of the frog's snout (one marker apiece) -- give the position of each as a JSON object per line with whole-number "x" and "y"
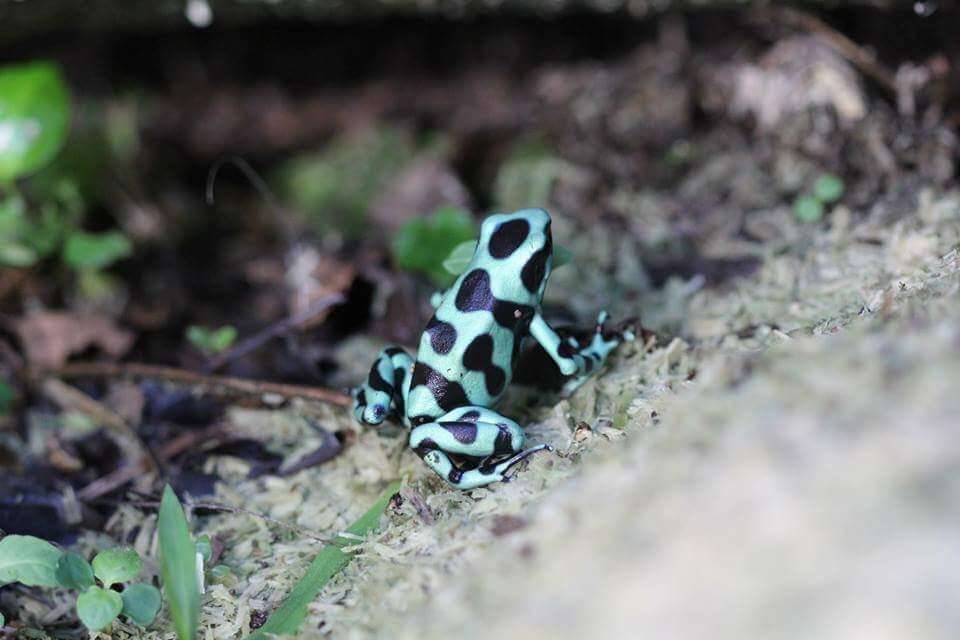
{"x": 374, "y": 413}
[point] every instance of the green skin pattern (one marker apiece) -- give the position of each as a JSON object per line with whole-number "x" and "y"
{"x": 467, "y": 355}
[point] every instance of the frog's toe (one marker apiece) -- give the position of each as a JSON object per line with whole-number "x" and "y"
{"x": 374, "y": 414}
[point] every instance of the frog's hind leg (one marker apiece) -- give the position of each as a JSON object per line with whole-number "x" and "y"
{"x": 384, "y": 388}
{"x": 473, "y": 433}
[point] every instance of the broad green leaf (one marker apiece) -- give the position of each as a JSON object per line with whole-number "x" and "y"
{"x": 561, "y": 256}
{"x": 84, "y": 250}
{"x": 17, "y": 255}
{"x": 3, "y": 621}
{"x": 828, "y": 188}
{"x": 74, "y": 572}
{"x": 114, "y": 566}
{"x": 287, "y": 619}
{"x": 28, "y": 560}
{"x": 456, "y": 263}
{"x": 178, "y": 566}
{"x": 422, "y": 244}
{"x": 141, "y": 602}
{"x": 34, "y": 116}
{"x": 808, "y": 209}
{"x": 98, "y": 607}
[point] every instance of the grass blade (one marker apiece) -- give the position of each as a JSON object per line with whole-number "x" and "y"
{"x": 330, "y": 560}
{"x": 178, "y": 566}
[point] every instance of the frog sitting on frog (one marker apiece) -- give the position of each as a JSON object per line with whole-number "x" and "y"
{"x": 467, "y": 355}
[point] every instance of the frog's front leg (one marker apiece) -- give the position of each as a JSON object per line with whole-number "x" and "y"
{"x": 385, "y": 388}
{"x": 573, "y": 358}
{"x": 476, "y": 434}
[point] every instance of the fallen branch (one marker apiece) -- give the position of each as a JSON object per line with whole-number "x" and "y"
{"x": 221, "y": 386}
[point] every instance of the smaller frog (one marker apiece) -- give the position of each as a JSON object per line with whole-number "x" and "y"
{"x": 467, "y": 355}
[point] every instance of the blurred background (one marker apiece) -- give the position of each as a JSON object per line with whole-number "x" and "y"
{"x": 271, "y": 190}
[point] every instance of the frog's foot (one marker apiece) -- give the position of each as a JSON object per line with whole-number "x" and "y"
{"x": 590, "y": 354}
{"x": 383, "y": 390}
{"x": 473, "y": 433}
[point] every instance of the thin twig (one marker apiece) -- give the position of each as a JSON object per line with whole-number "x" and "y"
{"x": 222, "y": 386}
{"x": 841, "y": 44}
{"x": 116, "y": 479}
{"x": 275, "y": 330}
{"x": 69, "y": 398}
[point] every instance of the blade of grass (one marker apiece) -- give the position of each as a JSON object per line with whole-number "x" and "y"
{"x": 331, "y": 559}
{"x": 178, "y": 566}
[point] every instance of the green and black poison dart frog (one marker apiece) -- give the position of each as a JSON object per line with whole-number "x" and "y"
{"x": 467, "y": 354}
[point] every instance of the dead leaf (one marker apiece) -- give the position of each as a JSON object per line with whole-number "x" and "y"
{"x": 49, "y": 338}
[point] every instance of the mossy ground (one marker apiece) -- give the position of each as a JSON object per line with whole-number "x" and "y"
{"x": 785, "y": 468}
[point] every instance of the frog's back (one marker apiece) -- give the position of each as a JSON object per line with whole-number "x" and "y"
{"x": 468, "y": 350}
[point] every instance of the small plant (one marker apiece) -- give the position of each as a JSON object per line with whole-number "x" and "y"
{"x": 827, "y": 188}
{"x": 180, "y": 569}
{"x": 423, "y": 244}
{"x": 35, "y": 562}
{"x": 34, "y": 121}
{"x": 211, "y": 341}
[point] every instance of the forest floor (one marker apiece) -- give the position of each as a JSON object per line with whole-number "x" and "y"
{"x": 772, "y": 458}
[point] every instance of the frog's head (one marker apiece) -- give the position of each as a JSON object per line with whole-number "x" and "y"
{"x": 519, "y": 248}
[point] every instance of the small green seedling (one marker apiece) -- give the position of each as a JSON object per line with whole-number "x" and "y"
{"x": 179, "y": 566}
{"x": 35, "y": 562}
{"x": 211, "y": 341}
{"x": 827, "y": 189}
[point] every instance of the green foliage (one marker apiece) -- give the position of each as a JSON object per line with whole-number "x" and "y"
{"x": 808, "y": 209}
{"x": 211, "y": 341}
{"x": 287, "y": 619}
{"x": 3, "y": 621}
{"x": 35, "y": 562}
{"x": 205, "y": 547}
{"x": 74, "y": 572}
{"x": 423, "y": 244}
{"x": 116, "y": 565}
{"x": 828, "y": 188}
{"x": 6, "y": 396}
{"x": 84, "y": 250}
{"x": 34, "y": 117}
{"x": 335, "y": 187}
{"x": 141, "y": 602}
{"x": 98, "y": 607}
{"x": 28, "y": 560}
{"x": 178, "y": 566}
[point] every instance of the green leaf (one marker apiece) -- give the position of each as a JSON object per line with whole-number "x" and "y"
{"x": 34, "y": 116}
{"x": 98, "y": 607}
{"x": 205, "y": 547}
{"x": 456, "y": 263}
{"x": 828, "y": 188}
{"x": 74, "y": 572}
{"x": 178, "y": 566}
{"x": 3, "y": 621}
{"x": 17, "y": 255}
{"x": 808, "y": 209}
{"x": 28, "y": 560}
{"x": 287, "y": 619}
{"x": 84, "y": 250}
{"x": 6, "y": 396}
{"x": 211, "y": 341}
{"x": 561, "y": 256}
{"x": 114, "y": 566}
{"x": 141, "y": 602}
{"x": 423, "y": 244}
